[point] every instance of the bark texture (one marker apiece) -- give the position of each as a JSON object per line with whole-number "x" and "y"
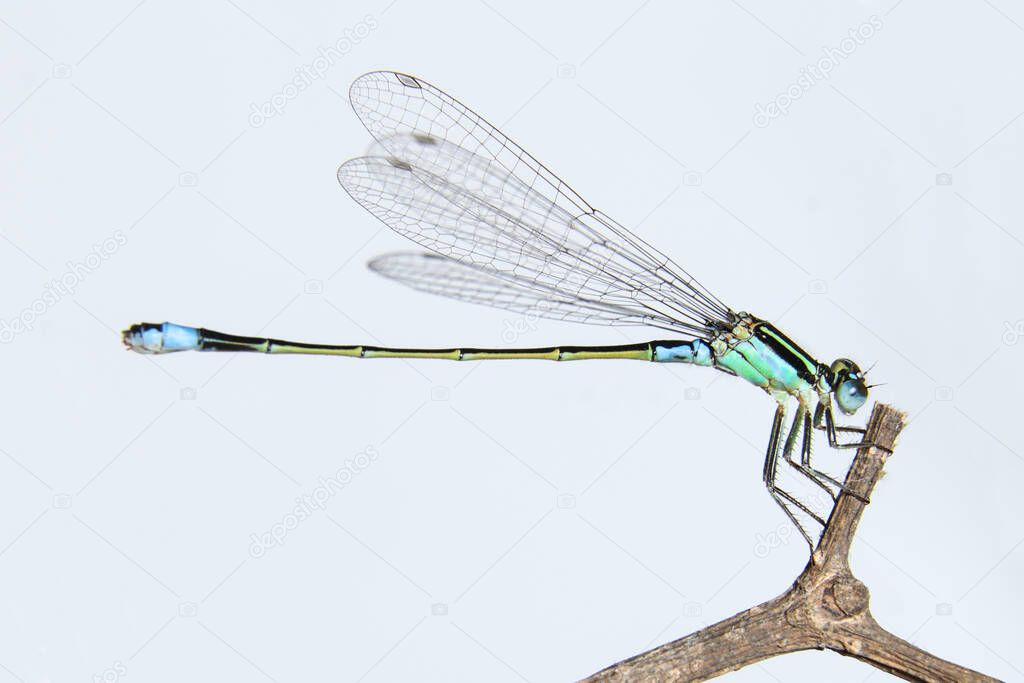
{"x": 825, "y": 608}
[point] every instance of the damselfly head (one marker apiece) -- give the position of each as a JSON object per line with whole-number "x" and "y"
{"x": 848, "y": 385}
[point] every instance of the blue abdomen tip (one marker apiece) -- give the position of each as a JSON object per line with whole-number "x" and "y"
{"x": 179, "y": 338}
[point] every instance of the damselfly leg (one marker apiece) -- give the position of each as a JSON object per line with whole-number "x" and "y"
{"x": 802, "y": 429}
{"x": 779, "y": 495}
{"x": 825, "y": 421}
{"x": 801, "y": 425}
{"x": 805, "y": 457}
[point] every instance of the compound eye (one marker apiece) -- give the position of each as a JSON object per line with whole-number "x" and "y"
{"x": 851, "y": 395}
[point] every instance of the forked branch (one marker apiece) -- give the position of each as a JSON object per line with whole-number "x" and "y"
{"x": 825, "y": 608}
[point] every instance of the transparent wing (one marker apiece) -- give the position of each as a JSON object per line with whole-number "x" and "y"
{"x": 450, "y": 181}
{"x": 463, "y": 281}
{"x": 467, "y": 229}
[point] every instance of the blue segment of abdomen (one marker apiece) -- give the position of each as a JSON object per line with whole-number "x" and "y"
{"x": 696, "y": 352}
{"x": 178, "y": 337}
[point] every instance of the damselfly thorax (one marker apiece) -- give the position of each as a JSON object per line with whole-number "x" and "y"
{"x": 758, "y": 352}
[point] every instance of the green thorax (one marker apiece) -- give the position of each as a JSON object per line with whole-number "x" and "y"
{"x": 759, "y": 353}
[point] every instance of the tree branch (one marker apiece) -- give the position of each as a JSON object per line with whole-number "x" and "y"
{"x": 825, "y": 608}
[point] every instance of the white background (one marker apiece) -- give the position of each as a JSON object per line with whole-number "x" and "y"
{"x": 132, "y": 487}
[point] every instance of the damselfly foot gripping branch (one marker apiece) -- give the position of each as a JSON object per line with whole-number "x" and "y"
{"x": 506, "y": 232}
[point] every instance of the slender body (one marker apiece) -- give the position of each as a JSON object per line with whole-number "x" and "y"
{"x": 168, "y": 337}
{"x": 753, "y": 350}
{"x": 503, "y": 230}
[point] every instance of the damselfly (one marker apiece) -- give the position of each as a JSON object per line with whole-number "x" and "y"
{"x": 506, "y": 232}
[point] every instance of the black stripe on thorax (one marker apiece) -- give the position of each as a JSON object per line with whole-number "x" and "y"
{"x": 787, "y": 349}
